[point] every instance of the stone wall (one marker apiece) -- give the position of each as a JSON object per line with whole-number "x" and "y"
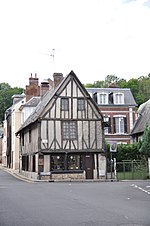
{"x": 63, "y": 176}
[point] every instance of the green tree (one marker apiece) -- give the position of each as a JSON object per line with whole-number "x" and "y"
{"x": 6, "y": 93}
{"x": 96, "y": 84}
{"x": 111, "y": 79}
{"x": 144, "y": 88}
{"x": 145, "y": 144}
{"x": 125, "y": 152}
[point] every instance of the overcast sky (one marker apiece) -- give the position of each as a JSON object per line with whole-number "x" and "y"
{"x": 93, "y": 38}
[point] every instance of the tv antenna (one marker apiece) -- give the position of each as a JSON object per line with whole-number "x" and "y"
{"x": 53, "y": 55}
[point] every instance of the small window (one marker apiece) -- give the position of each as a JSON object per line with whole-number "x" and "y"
{"x": 119, "y": 98}
{"x": 69, "y": 130}
{"x": 29, "y": 135}
{"x": 33, "y": 163}
{"x": 64, "y": 104}
{"x": 107, "y": 129}
{"x": 22, "y": 139}
{"x": 102, "y": 98}
{"x": 81, "y": 104}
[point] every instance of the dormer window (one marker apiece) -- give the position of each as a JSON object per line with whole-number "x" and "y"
{"x": 102, "y": 98}
{"x": 118, "y": 98}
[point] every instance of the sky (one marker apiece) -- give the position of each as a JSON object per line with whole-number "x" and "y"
{"x": 94, "y": 38}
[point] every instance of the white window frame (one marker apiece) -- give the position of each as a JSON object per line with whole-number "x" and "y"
{"x": 118, "y": 98}
{"x": 120, "y": 129}
{"x": 102, "y": 98}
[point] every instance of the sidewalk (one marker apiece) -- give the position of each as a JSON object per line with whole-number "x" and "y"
{"x": 16, "y": 174}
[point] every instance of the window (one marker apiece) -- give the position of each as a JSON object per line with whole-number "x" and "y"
{"x": 120, "y": 124}
{"x": 119, "y": 98}
{"x": 22, "y": 139}
{"x": 57, "y": 162}
{"x": 81, "y": 104}
{"x": 64, "y": 104}
{"x": 102, "y": 98}
{"x": 29, "y": 135}
{"x": 107, "y": 129}
{"x": 33, "y": 163}
{"x": 25, "y": 163}
{"x": 74, "y": 162}
{"x": 69, "y": 130}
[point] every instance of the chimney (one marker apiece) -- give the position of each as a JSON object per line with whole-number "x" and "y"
{"x": 113, "y": 85}
{"x": 33, "y": 81}
{"x": 58, "y": 77}
{"x": 33, "y": 89}
{"x": 44, "y": 88}
{"x": 17, "y": 97}
{"x": 51, "y": 83}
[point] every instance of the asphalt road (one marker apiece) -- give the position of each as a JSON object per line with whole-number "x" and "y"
{"x": 72, "y": 204}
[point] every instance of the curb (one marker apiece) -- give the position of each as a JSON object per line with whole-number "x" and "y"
{"x": 29, "y": 180}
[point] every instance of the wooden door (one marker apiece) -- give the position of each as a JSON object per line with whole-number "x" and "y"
{"x": 88, "y": 162}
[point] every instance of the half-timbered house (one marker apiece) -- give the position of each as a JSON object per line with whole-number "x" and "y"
{"x": 63, "y": 138}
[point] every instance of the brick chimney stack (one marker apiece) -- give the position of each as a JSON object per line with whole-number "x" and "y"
{"x": 44, "y": 88}
{"x": 33, "y": 89}
{"x": 58, "y": 77}
{"x": 33, "y": 81}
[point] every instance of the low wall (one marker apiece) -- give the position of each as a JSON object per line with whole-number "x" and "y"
{"x": 62, "y": 175}
{"x": 31, "y": 175}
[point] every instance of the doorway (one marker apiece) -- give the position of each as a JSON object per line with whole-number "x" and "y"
{"x": 88, "y": 163}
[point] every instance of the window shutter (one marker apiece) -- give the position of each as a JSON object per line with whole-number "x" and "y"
{"x": 109, "y": 128}
{"x": 114, "y": 125}
{"x": 125, "y": 125}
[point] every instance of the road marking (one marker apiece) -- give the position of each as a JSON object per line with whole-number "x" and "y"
{"x": 135, "y": 186}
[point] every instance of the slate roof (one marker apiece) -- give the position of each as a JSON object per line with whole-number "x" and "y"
{"x": 32, "y": 102}
{"x": 45, "y": 100}
{"x": 38, "y": 110}
{"x": 143, "y": 119}
{"x": 128, "y": 97}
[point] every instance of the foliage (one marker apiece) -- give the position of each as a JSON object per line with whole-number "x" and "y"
{"x": 125, "y": 152}
{"x": 6, "y": 93}
{"x": 145, "y": 144}
{"x": 97, "y": 84}
{"x": 135, "y": 151}
{"x": 111, "y": 79}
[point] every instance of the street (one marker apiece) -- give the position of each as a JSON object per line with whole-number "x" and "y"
{"x": 71, "y": 203}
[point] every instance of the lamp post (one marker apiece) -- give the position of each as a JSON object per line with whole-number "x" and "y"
{"x": 106, "y": 124}
{"x": 113, "y": 148}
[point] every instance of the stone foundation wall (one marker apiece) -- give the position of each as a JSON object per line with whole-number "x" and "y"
{"x": 69, "y": 176}
{"x": 64, "y": 176}
{"x": 31, "y": 175}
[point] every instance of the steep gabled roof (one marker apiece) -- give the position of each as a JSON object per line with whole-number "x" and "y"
{"x": 32, "y": 102}
{"x": 49, "y": 95}
{"x": 128, "y": 97}
{"x": 143, "y": 119}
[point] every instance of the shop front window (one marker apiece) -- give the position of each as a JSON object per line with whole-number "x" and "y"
{"x": 74, "y": 162}
{"x": 57, "y": 162}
